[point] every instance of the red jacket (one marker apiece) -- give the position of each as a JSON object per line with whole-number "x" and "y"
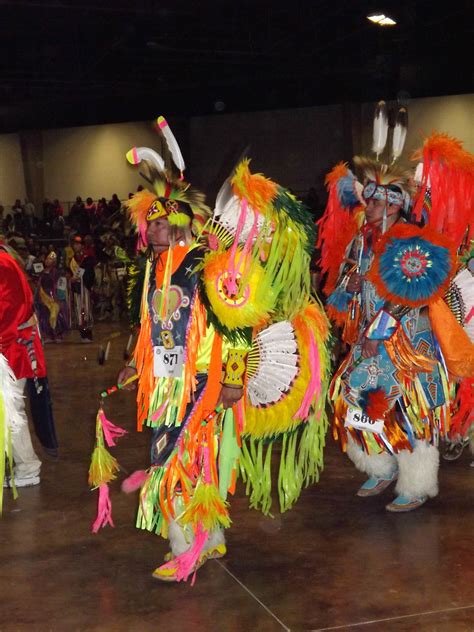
{"x": 16, "y": 308}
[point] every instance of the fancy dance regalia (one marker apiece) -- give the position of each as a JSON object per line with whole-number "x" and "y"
{"x": 21, "y": 357}
{"x": 445, "y": 177}
{"x": 231, "y": 307}
{"x": 392, "y": 406}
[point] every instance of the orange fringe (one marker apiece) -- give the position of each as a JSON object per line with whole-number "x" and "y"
{"x": 404, "y": 357}
{"x": 462, "y": 408}
{"x": 207, "y": 404}
{"x": 335, "y": 316}
{"x": 178, "y": 253}
{"x": 197, "y": 332}
{"x": 458, "y": 350}
{"x": 395, "y": 435}
{"x": 143, "y": 355}
{"x": 351, "y": 324}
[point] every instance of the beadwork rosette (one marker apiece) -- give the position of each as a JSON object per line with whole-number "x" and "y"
{"x": 412, "y": 265}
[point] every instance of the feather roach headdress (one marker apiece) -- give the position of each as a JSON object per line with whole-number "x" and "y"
{"x": 385, "y": 182}
{"x": 347, "y": 196}
{"x": 167, "y": 195}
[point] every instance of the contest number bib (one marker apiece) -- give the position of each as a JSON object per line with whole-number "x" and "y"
{"x": 62, "y": 284}
{"x": 356, "y": 418}
{"x": 168, "y": 362}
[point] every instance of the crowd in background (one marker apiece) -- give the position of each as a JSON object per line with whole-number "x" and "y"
{"x": 52, "y": 221}
{"x": 76, "y": 263}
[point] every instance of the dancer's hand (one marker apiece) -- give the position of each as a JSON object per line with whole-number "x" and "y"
{"x": 369, "y": 348}
{"x": 125, "y": 373}
{"x": 355, "y": 282}
{"x": 230, "y": 396}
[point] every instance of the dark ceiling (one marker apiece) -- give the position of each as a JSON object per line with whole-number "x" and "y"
{"x": 76, "y": 62}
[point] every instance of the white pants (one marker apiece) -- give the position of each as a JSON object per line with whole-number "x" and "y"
{"x": 417, "y": 470}
{"x": 27, "y": 464}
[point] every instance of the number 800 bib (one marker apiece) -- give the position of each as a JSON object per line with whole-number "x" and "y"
{"x": 356, "y": 418}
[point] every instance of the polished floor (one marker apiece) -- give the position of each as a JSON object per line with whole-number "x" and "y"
{"x": 335, "y": 562}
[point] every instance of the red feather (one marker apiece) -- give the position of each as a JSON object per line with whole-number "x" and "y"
{"x": 377, "y": 404}
{"x": 336, "y": 229}
{"x": 448, "y": 170}
{"x": 463, "y": 409}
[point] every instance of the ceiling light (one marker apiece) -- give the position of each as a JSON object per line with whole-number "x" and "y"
{"x": 386, "y": 21}
{"x": 381, "y": 19}
{"x": 376, "y": 17}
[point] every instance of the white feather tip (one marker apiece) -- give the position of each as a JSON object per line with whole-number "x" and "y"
{"x": 172, "y": 143}
{"x": 380, "y": 128}
{"x": 399, "y": 133}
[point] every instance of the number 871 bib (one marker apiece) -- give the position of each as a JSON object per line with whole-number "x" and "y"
{"x": 168, "y": 362}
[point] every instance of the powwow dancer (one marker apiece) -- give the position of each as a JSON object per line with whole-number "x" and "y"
{"x": 51, "y": 301}
{"x": 21, "y": 357}
{"x": 386, "y": 283}
{"x": 230, "y": 357}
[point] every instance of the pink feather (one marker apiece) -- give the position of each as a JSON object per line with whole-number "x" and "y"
{"x": 186, "y": 562}
{"x": 157, "y": 414}
{"x": 134, "y": 481}
{"x": 314, "y": 386}
{"x": 111, "y": 431}
{"x": 104, "y": 509}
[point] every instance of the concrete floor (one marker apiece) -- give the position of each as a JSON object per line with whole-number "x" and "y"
{"x": 335, "y": 562}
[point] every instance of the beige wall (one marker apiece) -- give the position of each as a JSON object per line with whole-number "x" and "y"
{"x": 12, "y": 178}
{"x": 90, "y": 161}
{"x": 452, "y": 114}
{"x": 296, "y": 147}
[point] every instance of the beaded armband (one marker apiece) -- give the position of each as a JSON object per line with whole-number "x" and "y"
{"x": 382, "y": 327}
{"x": 235, "y": 368}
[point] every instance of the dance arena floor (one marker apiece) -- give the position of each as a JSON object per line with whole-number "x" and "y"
{"x": 335, "y": 562}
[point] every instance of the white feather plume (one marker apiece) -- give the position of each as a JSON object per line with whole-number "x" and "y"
{"x": 229, "y": 216}
{"x": 172, "y": 143}
{"x": 380, "y": 128}
{"x": 223, "y": 197}
{"x": 137, "y": 154}
{"x": 399, "y": 133}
